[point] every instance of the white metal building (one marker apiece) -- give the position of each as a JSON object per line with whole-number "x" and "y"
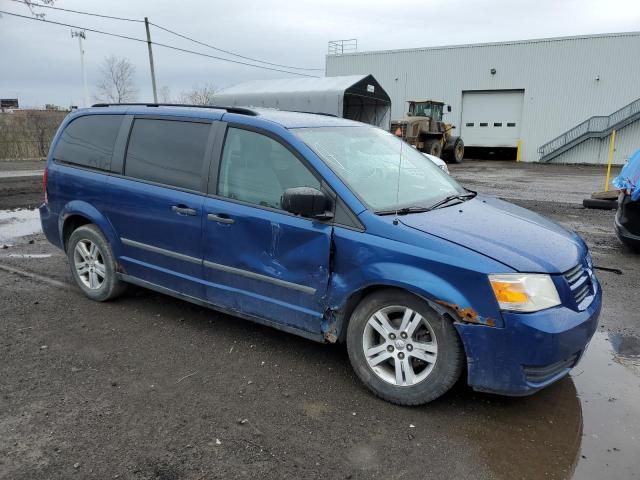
{"x": 559, "y": 98}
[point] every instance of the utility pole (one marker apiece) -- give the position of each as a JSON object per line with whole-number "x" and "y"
{"x": 81, "y": 36}
{"x": 153, "y": 72}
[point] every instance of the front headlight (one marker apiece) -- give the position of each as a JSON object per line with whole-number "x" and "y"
{"x": 524, "y": 292}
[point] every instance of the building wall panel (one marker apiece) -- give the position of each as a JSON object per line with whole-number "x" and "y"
{"x": 565, "y": 80}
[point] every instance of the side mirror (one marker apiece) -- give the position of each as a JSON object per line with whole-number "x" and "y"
{"x": 448, "y": 108}
{"x": 307, "y": 202}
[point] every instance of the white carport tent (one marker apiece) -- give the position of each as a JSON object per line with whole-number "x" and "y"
{"x": 356, "y": 97}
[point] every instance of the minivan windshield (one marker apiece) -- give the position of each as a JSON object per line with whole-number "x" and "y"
{"x": 382, "y": 170}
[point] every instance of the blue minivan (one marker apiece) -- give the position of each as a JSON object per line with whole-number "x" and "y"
{"x": 327, "y": 228}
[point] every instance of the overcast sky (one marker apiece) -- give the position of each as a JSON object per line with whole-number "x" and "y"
{"x": 40, "y": 63}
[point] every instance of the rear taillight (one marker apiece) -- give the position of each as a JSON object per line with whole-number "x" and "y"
{"x": 45, "y": 177}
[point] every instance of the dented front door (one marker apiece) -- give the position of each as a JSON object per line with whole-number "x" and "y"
{"x": 266, "y": 263}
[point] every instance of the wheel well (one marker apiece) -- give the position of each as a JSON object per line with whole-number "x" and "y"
{"x": 352, "y": 302}
{"x": 71, "y": 223}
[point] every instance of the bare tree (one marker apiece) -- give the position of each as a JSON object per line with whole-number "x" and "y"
{"x": 165, "y": 94}
{"x": 43, "y": 124}
{"x": 28, "y": 133}
{"x": 117, "y": 83}
{"x": 31, "y": 5}
{"x": 199, "y": 95}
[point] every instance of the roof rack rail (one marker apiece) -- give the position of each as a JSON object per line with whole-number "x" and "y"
{"x": 315, "y": 113}
{"x": 238, "y": 110}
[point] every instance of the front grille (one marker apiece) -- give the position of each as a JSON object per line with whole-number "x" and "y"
{"x": 579, "y": 281}
{"x": 542, "y": 374}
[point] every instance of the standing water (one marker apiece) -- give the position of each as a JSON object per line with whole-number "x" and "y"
{"x": 18, "y": 223}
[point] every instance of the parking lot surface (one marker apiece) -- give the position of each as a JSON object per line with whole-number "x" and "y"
{"x": 150, "y": 387}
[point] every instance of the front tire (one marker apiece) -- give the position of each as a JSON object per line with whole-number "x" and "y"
{"x": 92, "y": 264}
{"x": 455, "y": 154}
{"x": 402, "y": 350}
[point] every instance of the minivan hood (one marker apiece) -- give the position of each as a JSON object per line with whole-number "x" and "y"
{"x": 514, "y": 236}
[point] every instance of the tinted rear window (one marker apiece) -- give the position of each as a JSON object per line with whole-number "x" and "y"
{"x": 88, "y": 141}
{"x": 167, "y": 151}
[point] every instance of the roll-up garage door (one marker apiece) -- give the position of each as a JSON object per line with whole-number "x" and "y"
{"x": 492, "y": 118}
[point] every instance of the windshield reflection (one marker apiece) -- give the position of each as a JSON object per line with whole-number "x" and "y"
{"x": 382, "y": 170}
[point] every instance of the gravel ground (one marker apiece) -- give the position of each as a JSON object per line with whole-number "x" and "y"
{"x": 149, "y": 387}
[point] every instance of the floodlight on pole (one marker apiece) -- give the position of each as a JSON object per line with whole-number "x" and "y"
{"x": 153, "y": 71}
{"x": 82, "y": 36}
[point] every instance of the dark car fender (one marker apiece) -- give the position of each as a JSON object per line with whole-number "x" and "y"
{"x": 92, "y": 215}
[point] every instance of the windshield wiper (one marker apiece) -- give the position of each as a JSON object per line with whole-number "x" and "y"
{"x": 450, "y": 198}
{"x": 418, "y": 208}
{"x": 403, "y": 211}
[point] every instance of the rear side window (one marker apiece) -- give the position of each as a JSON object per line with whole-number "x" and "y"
{"x": 88, "y": 141}
{"x": 167, "y": 151}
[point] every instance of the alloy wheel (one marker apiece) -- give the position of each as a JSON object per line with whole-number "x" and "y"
{"x": 89, "y": 264}
{"x": 399, "y": 346}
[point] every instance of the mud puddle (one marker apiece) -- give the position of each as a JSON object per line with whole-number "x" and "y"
{"x": 21, "y": 173}
{"x": 626, "y": 345}
{"x": 609, "y": 393}
{"x": 18, "y": 223}
{"x": 26, "y": 255}
{"x": 586, "y": 426}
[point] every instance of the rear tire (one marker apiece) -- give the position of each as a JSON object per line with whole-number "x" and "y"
{"x": 92, "y": 264}
{"x": 413, "y": 359}
{"x": 433, "y": 147}
{"x": 600, "y": 204}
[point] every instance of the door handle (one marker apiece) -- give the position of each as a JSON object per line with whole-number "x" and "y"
{"x": 184, "y": 210}
{"x": 217, "y": 218}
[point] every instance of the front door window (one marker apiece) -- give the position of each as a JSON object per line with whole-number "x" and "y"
{"x": 257, "y": 169}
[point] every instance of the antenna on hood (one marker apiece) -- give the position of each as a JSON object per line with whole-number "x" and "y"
{"x": 395, "y": 219}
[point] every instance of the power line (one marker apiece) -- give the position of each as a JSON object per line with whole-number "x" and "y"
{"x": 170, "y": 47}
{"x": 231, "y": 53}
{"x": 38, "y": 5}
{"x": 228, "y": 52}
{"x": 73, "y": 26}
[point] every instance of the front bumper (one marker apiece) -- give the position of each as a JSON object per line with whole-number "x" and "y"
{"x": 531, "y": 351}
